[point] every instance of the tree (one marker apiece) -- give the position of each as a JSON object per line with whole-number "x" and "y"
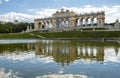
{"x": 13, "y": 28}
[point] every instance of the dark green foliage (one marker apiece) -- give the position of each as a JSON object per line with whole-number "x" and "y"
{"x": 12, "y": 28}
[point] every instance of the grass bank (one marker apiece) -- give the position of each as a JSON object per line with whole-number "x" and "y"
{"x": 68, "y": 34}
{"x": 17, "y": 36}
{"x": 81, "y": 34}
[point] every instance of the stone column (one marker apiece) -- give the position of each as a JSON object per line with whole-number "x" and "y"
{"x": 92, "y": 22}
{"x": 72, "y": 23}
{"x": 54, "y": 23}
{"x": 46, "y": 25}
{"x": 101, "y": 19}
{"x": 30, "y": 27}
{"x": 65, "y": 23}
{"x": 86, "y": 21}
{"x": 36, "y": 25}
{"x": 50, "y": 25}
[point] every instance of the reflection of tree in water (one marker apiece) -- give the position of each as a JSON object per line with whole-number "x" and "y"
{"x": 68, "y": 52}
{"x": 16, "y": 47}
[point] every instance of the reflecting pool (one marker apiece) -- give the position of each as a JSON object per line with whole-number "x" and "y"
{"x": 59, "y": 59}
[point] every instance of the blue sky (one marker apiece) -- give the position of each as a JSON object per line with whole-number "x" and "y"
{"x": 24, "y": 5}
{"x": 36, "y": 7}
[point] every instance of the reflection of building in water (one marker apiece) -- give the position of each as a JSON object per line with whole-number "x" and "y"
{"x": 116, "y": 50}
{"x": 63, "y": 52}
{"x": 100, "y": 54}
{"x": 30, "y": 46}
{"x": 66, "y": 53}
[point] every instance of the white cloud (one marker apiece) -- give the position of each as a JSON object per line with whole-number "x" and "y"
{"x": 110, "y": 56}
{"x": 88, "y": 6}
{"x": 8, "y": 74}
{"x": 31, "y": 10}
{"x": 7, "y": 0}
{"x": 111, "y": 13}
{"x": 16, "y": 16}
{"x": 45, "y": 12}
{"x": 18, "y": 56}
{"x": 1, "y": 1}
{"x": 62, "y": 76}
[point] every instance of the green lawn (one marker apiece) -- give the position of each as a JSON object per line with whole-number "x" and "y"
{"x": 81, "y": 34}
{"x": 17, "y": 36}
{"x": 68, "y": 34}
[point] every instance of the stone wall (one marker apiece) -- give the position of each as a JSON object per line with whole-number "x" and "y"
{"x": 66, "y": 19}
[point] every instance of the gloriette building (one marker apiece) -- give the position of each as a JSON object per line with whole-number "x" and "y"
{"x": 65, "y": 20}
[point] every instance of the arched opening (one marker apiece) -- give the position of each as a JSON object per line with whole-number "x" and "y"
{"x": 62, "y": 23}
{"x": 95, "y": 21}
{"x": 86, "y": 21}
{"x": 77, "y": 22}
{"x": 57, "y": 23}
{"x": 67, "y": 23}
{"x": 81, "y": 22}
{"x": 43, "y": 26}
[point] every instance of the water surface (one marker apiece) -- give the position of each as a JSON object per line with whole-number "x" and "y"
{"x": 53, "y": 58}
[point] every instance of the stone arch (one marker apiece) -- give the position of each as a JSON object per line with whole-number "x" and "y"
{"x": 86, "y": 20}
{"x": 43, "y": 25}
{"x": 81, "y": 21}
{"x": 39, "y": 25}
{"x": 77, "y": 21}
{"x": 93, "y": 21}
{"x": 89, "y": 21}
